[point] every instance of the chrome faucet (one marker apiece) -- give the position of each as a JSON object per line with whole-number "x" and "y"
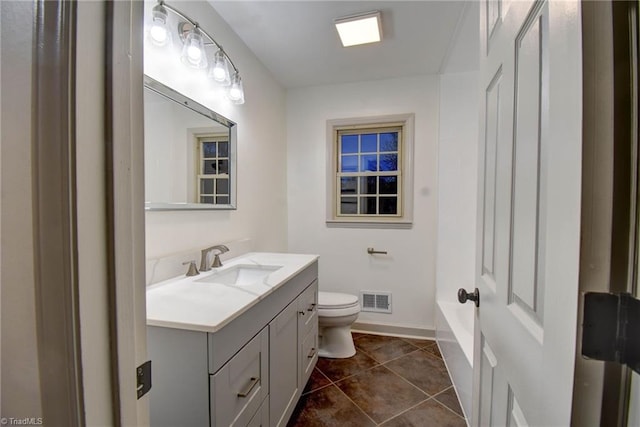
{"x": 204, "y": 264}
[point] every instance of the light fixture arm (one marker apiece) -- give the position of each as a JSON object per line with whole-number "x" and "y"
{"x": 202, "y": 31}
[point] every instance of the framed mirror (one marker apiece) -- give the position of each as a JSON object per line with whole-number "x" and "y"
{"x": 189, "y": 153}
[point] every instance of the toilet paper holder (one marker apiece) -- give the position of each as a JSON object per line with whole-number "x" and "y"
{"x": 372, "y": 251}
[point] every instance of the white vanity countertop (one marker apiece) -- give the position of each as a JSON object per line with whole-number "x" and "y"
{"x": 188, "y": 303}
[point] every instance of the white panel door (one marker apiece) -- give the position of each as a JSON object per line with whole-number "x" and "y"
{"x": 528, "y": 212}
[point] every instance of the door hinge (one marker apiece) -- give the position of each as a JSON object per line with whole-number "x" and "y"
{"x": 143, "y": 375}
{"x": 611, "y": 328}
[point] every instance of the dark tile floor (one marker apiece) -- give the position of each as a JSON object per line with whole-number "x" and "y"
{"x": 389, "y": 382}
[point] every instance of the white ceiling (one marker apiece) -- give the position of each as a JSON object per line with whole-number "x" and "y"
{"x": 298, "y": 43}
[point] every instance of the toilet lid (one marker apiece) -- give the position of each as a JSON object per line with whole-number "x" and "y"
{"x": 336, "y": 300}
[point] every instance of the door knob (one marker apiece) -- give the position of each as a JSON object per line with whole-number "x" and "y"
{"x": 464, "y": 296}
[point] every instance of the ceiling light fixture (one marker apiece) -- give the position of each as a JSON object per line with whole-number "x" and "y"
{"x": 359, "y": 29}
{"x": 195, "y": 41}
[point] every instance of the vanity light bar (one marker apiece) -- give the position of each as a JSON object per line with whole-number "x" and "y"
{"x": 193, "y": 53}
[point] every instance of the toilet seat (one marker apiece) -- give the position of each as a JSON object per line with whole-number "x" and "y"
{"x": 335, "y": 304}
{"x": 338, "y": 312}
{"x": 336, "y": 300}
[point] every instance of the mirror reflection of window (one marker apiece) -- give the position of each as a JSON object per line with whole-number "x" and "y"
{"x": 213, "y": 171}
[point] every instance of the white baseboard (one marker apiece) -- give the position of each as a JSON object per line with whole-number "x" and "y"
{"x": 393, "y": 330}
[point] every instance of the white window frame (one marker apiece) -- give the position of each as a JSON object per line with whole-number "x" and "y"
{"x": 200, "y": 175}
{"x": 340, "y": 132}
{"x": 405, "y": 173}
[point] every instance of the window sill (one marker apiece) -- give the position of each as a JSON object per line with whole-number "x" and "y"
{"x": 370, "y": 224}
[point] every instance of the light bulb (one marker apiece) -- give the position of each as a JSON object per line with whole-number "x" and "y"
{"x": 158, "y": 34}
{"x": 219, "y": 74}
{"x": 234, "y": 93}
{"x": 194, "y": 54}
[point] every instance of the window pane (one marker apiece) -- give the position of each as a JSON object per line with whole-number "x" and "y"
{"x": 206, "y": 186}
{"x": 349, "y": 164}
{"x": 369, "y": 143}
{"x": 223, "y": 186}
{"x": 389, "y": 141}
{"x": 368, "y": 205}
{"x": 388, "y": 185}
{"x": 348, "y": 185}
{"x": 210, "y": 167}
{"x": 388, "y": 162}
{"x": 206, "y": 199}
{"x": 368, "y": 185}
{"x": 222, "y": 200}
{"x": 223, "y": 149}
{"x": 388, "y": 205}
{"x": 209, "y": 149}
{"x": 349, "y": 144}
{"x": 223, "y": 166}
{"x": 369, "y": 162}
{"x": 348, "y": 205}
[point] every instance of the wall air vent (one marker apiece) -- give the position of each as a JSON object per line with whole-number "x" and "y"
{"x": 376, "y": 301}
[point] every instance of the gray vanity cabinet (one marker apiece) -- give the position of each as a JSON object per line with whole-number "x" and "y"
{"x": 186, "y": 393}
{"x": 283, "y": 365}
{"x": 250, "y": 372}
{"x": 293, "y": 338}
{"x": 179, "y": 394}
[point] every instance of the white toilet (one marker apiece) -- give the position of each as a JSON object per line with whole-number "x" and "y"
{"x": 336, "y": 313}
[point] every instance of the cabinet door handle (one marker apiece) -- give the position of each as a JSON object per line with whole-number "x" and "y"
{"x": 302, "y": 312}
{"x": 311, "y": 353}
{"x": 252, "y": 383}
{"x": 311, "y": 307}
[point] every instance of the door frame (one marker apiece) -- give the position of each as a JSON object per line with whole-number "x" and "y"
{"x": 54, "y": 214}
{"x": 610, "y": 221}
{"x": 57, "y": 212}
{"x": 124, "y": 117}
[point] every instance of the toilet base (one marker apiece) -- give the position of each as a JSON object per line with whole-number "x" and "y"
{"x": 336, "y": 342}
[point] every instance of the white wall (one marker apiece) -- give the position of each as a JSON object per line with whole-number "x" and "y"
{"x": 262, "y": 204}
{"x": 457, "y": 159}
{"x": 464, "y": 55}
{"x": 457, "y": 182}
{"x": 409, "y": 269}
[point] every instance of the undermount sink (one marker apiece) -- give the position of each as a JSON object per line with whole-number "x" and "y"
{"x": 241, "y": 275}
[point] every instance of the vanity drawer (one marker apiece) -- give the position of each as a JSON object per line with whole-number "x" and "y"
{"x": 241, "y": 385}
{"x": 308, "y": 308}
{"x": 308, "y": 354}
